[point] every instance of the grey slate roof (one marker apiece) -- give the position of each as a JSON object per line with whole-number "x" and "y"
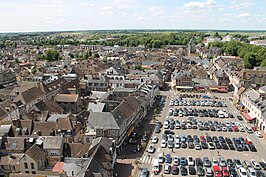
{"x": 252, "y": 94}
{"x": 51, "y": 142}
{"x": 96, "y": 107}
{"x": 102, "y": 120}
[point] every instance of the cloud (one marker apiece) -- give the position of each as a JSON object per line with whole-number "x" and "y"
{"x": 155, "y": 10}
{"x": 124, "y": 4}
{"x": 108, "y": 10}
{"x": 57, "y": 1}
{"x": 241, "y": 5}
{"x": 200, "y": 5}
{"x": 243, "y": 15}
{"x": 85, "y": 4}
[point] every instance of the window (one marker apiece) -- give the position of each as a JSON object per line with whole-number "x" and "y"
{"x": 26, "y": 165}
{"x": 26, "y": 171}
{"x": 33, "y": 172}
{"x": 32, "y": 165}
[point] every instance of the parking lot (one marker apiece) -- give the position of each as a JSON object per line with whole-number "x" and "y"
{"x": 201, "y": 127}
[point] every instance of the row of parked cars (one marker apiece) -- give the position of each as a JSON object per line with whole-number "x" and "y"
{"x": 196, "y": 96}
{"x": 202, "y": 142}
{"x": 220, "y": 167}
{"x": 184, "y": 102}
{"x": 192, "y": 123}
{"x": 214, "y": 113}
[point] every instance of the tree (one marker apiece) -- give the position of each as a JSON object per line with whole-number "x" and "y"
{"x": 51, "y": 55}
{"x": 96, "y": 55}
{"x": 138, "y": 67}
{"x": 250, "y": 60}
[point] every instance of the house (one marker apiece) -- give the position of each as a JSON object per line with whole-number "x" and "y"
{"x": 29, "y": 97}
{"x": 120, "y": 123}
{"x": 14, "y": 145}
{"x": 9, "y": 110}
{"x": 43, "y": 128}
{"x": 53, "y": 147}
{"x": 199, "y": 72}
{"x": 7, "y": 77}
{"x": 10, "y": 163}
{"x": 254, "y": 104}
{"x": 182, "y": 78}
{"x": 207, "y": 40}
{"x": 221, "y": 78}
{"x": 99, "y": 160}
{"x": 96, "y": 82}
{"x": 33, "y": 160}
{"x": 69, "y": 102}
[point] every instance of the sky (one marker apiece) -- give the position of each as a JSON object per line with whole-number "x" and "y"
{"x": 60, "y": 15}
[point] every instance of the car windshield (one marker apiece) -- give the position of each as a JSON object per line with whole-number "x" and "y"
{"x": 243, "y": 173}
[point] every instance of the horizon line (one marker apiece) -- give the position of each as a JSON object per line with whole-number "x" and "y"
{"x": 137, "y": 29}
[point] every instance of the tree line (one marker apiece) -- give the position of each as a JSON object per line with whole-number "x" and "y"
{"x": 253, "y": 55}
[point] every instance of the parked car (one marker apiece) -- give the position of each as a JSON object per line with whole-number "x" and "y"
{"x": 168, "y": 158}
{"x": 255, "y": 165}
{"x": 192, "y": 170}
{"x": 175, "y": 170}
{"x": 151, "y": 149}
{"x": 258, "y": 134}
{"x": 167, "y": 169}
{"x": 200, "y": 171}
{"x": 191, "y": 161}
{"x": 183, "y": 161}
{"x": 154, "y": 140}
{"x": 183, "y": 171}
{"x": 242, "y": 172}
{"x": 144, "y": 172}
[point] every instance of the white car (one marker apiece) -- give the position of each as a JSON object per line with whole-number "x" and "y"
{"x": 211, "y": 145}
{"x": 242, "y": 172}
{"x": 161, "y": 158}
{"x": 191, "y": 161}
{"x": 166, "y": 124}
{"x": 256, "y": 165}
{"x": 151, "y": 149}
{"x": 177, "y": 145}
{"x": 176, "y": 160}
{"x": 252, "y": 172}
{"x": 258, "y": 134}
{"x": 154, "y": 140}
{"x": 215, "y": 162}
{"x": 163, "y": 144}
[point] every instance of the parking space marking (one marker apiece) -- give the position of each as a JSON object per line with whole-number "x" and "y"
{"x": 158, "y": 150}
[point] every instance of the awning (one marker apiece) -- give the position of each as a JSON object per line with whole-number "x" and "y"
{"x": 247, "y": 116}
{"x": 130, "y": 131}
{"x": 184, "y": 87}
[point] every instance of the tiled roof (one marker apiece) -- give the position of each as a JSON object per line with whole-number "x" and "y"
{"x": 67, "y": 98}
{"x": 35, "y": 152}
{"x": 45, "y": 128}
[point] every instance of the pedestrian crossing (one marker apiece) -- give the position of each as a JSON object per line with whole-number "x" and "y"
{"x": 146, "y": 159}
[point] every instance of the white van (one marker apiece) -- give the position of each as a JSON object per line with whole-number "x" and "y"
{"x": 155, "y": 166}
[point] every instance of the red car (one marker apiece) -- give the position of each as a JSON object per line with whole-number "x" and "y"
{"x": 202, "y": 139}
{"x": 235, "y": 128}
{"x": 217, "y": 171}
{"x": 248, "y": 141}
{"x": 225, "y": 172}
